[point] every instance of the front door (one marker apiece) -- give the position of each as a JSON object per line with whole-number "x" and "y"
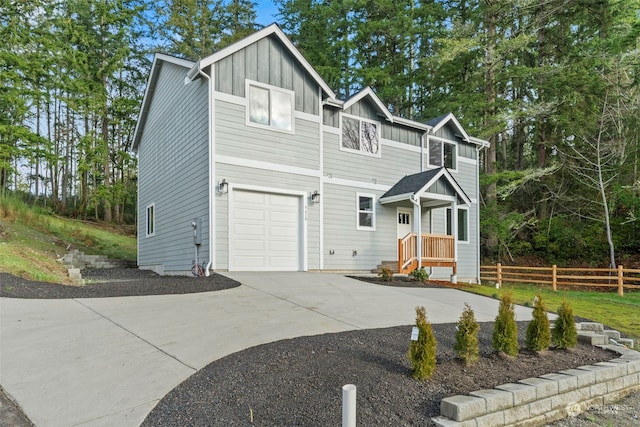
{"x": 404, "y": 222}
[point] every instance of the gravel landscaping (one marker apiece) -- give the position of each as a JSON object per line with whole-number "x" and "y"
{"x": 298, "y": 382}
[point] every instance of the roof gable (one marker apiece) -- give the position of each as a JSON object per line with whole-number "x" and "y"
{"x": 368, "y": 93}
{"x": 415, "y": 185}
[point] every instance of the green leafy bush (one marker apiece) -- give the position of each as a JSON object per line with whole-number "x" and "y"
{"x": 564, "y": 334}
{"x": 419, "y": 274}
{"x": 505, "y": 330}
{"x": 467, "y": 347}
{"x": 386, "y": 275}
{"x": 422, "y": 352}
{"x": 538, "y": 336}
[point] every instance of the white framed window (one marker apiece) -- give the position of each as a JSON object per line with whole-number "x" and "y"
{"x": 443, "y": 154}
{"x": 269, "y": 107}
{"x": 151, "y": 220}
{"x": 463, "y": 224}
{"x": 366, "y": 212}
{"x": 360, "y": 135}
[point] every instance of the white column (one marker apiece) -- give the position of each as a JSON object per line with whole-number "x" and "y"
{"x": 454, "y": 228}
{"x": 417, "y": 226}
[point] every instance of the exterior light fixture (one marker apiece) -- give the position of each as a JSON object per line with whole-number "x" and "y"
{"x": 315, "y": 197}
{"x": 223, "y": 186}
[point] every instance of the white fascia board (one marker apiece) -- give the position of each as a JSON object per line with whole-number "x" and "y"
{"x": 272, "y": 29}
{"x": 411, "y": 123}
{"x": 173, "y": 60}
{"x": 444, "y": 172}
{"x": 396, "y": 198}
{"x": 367, "y": 91}
{"x": 451, "y": 118}
{"x": 333, "y": 102}
{"x": 481, "y": 142}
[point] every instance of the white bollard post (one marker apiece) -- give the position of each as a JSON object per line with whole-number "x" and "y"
{"x": 349, "y": 405}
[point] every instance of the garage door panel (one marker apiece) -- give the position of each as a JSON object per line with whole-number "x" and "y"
{"x": 265, "y": 234}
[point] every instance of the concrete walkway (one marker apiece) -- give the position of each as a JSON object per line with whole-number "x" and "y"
{"x": 108, "y": 361}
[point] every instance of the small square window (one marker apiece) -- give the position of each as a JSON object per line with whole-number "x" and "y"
{"x": 151, "y": 220}
{"x": 366, "y": 212}
{"x": 360, "y": 135}
{"x": 442, "y": 154}
{"x": 270, "y": 107}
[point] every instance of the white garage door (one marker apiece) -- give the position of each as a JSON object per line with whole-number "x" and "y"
{"x": 265, "y": 232}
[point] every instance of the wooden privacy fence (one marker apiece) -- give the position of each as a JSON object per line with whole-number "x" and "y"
{"x": 620, "y": 278}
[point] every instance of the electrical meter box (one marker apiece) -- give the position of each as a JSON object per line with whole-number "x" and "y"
{"x": 196, "y": 224}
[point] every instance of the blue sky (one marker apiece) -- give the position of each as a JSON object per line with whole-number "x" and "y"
{"x": 266, "y": 11}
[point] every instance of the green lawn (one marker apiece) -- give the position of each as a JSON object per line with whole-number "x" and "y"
{"x": 620, "y": 313}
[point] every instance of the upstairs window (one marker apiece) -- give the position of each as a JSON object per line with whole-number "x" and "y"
{"x": 463, "y": 224}
{"x": 270, "y": 107}
{"x": 360, "y": 135}
{"x": 442, "y": 154}
{"x": 366, "y": 212}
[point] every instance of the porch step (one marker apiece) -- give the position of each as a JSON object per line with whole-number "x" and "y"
{"x": 391, "y": 265}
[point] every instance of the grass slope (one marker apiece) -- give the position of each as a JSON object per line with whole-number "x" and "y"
{"x": 32, "y": 240}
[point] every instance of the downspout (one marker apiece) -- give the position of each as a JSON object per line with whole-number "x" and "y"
{"x": 478, "y": 148}
{"x": 212, "y": 194}
{"x": 418, "y": 222}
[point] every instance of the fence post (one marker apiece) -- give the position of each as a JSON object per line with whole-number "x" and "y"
{"x": 554, "y": 277}
{"x": 499, "y": 274}
{"x": 620, "y": 281}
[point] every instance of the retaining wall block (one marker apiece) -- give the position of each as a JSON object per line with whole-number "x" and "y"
{"x": 522, "y": 393}
{"x": 544, "y": 388}
{"x": 592, "y": 326}
{"x": 615, "y": 384}
{"x": 496, "y": 400}
{"x": 583, "y": 377}
{"x": 565, "y": 382}
{"x": 566, "y": 400}
{"x": 610, "y": 333}
{"x": 446, "y": 422}
{"x": 516, "y": 414}
{"x": 632, "y": 380}
{"x": 461, "y": 408}
{"x": 590, "y": 337}
{"x": 540, "y": 406}
{"x": 606, "y": 371}
{"x": 493, "y": 419}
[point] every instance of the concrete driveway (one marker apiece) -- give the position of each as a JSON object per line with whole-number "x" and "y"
{"x": 108, "y": 361}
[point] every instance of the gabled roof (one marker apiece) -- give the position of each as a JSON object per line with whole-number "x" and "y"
{"x": 368, "y": 92}
{"x": 414, "y": 186}
{"x": 271, "y": 30}
{"x": 158, "y": 59}
{"x": 441, "y": 121}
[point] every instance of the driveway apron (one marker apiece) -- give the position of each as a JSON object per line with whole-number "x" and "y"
{"x": 108, "y": 361}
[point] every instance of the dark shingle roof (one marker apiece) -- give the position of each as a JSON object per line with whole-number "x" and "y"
{"x": 434, "y": 122}
{"x": 411, "y": 183}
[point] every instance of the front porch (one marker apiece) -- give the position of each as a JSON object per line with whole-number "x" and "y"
{"x": 436, "y": 251}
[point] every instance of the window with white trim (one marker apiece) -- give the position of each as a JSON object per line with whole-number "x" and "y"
{"x": 463, "y": 224}
{"x": 269, "y": 107}
{"x": 443, "y": 154}
{"x": 360, "y": 135}
{"x": 151, "y": 220}
{"x": 365, "y": 205}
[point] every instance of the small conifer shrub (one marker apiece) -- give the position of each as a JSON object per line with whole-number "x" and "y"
{"x": 422, "y": 353}
{"x": 564, "y": 334}
{"x": 386, "y": 275}
{"x": 505, "y": 329}
{"x": 419, "y": 274}
{"x": 467, "y": 347}
{"x": 538, "y": 336}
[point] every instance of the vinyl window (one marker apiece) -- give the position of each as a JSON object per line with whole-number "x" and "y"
{"x": 270, "y": 107}
{"x": 366, "y": 219}
{"x": 151, "y": 220}
{"x": 360, "y": 135}
{"x": 463, "y": 224}
{"x": 442, "y": 154}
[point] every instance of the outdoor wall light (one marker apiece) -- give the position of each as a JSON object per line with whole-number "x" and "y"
{"x": 223, "y": 186}
{"x": 315, "y": 197}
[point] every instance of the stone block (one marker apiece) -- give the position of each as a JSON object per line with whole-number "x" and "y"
{"x": 610, "y": 333}
{"x": 496, "y": 400}
{"x": 631, "y": 381}
{"x": 566, "y": 400}
{"x": 492, "y": 419}
{"x": 516, "y": 414}
{"x": 592, "y": 338}
{"x": 592, "y": 326}
{"x": 540, "y": 407}
{"x": 614, "y": 370}
{"x": 615, "y": 384}
{"x": 602, "y": 372}
{"x": 598, "y": 389}
{"x": 583, "y": 377}
{"x": 522, "y": 393}
{"x": 626, "y": 341}
{"x": 446, "y": 422}
{"x": 565, "y": 382}
{"x": 461, "y": 408}
{"x": 544, "y": 388}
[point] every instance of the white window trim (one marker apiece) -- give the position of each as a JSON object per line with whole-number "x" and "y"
{"x": 443, "y": 141}
{"x": 373, "y": 212}
{"x": 151, "y": 207}
{"x": 460, "y": 208}
{"x": 248, "y": 83}
{"x": 361, "y": 119}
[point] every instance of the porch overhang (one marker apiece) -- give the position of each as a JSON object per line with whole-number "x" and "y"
{"x": 428, "y": 188}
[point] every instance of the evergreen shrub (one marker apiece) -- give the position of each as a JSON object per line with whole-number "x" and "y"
{"x": 505, "y": 329}
{"x": 538, "y": 336}
{"x": 564, "y": 334}
{"x": 422, "y": 353}
{"x": 386, "y": 275}
{"x": 467, "y": 347}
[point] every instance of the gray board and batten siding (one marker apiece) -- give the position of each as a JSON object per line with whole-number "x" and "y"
{"x": 173, "y": 175}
